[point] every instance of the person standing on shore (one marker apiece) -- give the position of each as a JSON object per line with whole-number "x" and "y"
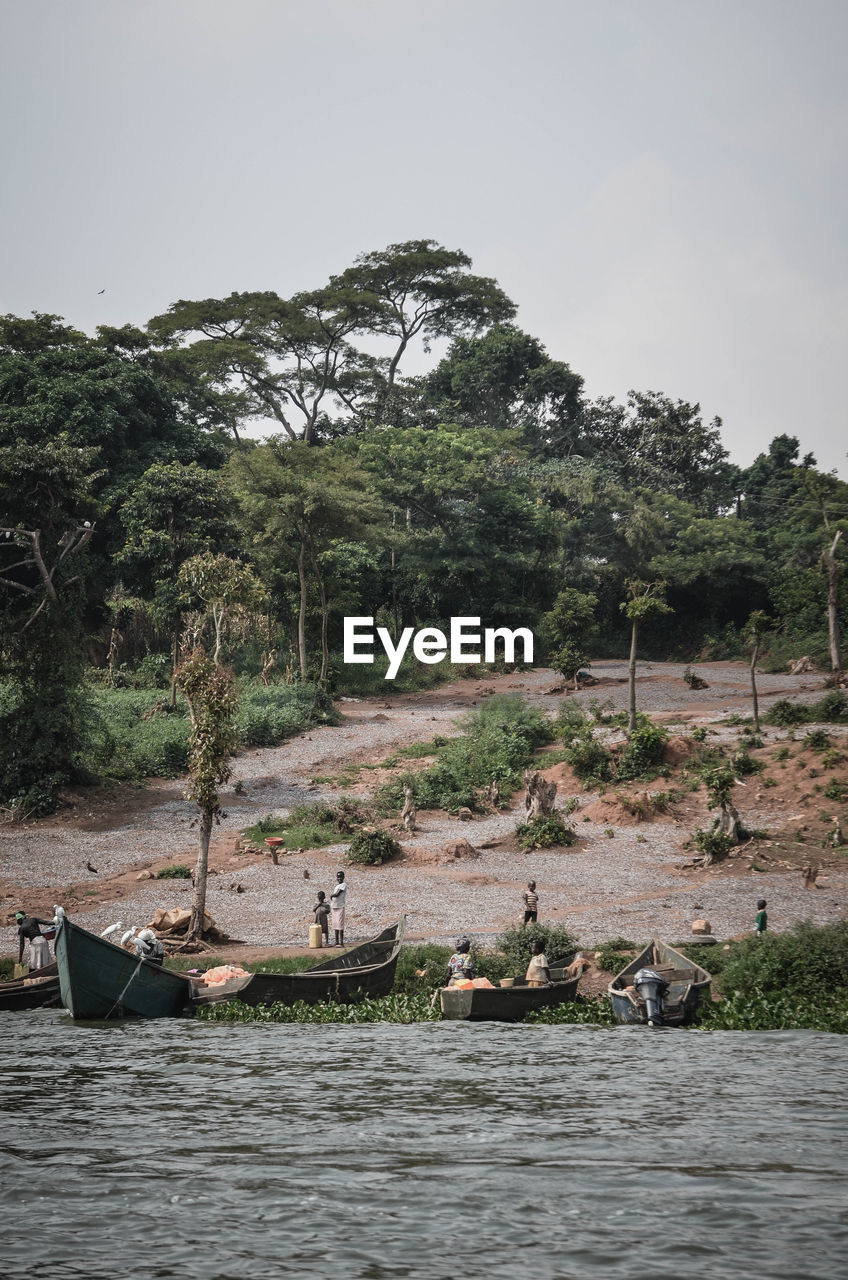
{"x": 761, "y": 919}
{"x": 531, "y": 903}
{"x": 29, "y": 931}
{"x": 337, "y": 908}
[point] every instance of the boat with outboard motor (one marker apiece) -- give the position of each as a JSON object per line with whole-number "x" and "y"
{"x": 659, "y": 988}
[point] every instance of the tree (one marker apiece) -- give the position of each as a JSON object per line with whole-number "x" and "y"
{"x": 646, "y": 600}
{"x": 295, "y": 503}
{"x": 221, "y": 584}
{"x": 566, "y": 627}
{"x": 755, "y": 629}
{"x": 420, "y": 289}
{"x": 46, "y": 527}
{"x": 506, "y": 379}
{"x": 288, "y": 356}
{"x": 175, "y": 512}
{"x": 209, "y": 690}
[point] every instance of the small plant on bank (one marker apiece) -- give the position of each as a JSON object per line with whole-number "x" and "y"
{"x": 177, "y": 871}
{"x": 589, "y": 759}
{"x": 699, "y": 734}
{"x": 545, "y": 832}
{"x": 816, "y": 740}
{"x": 836, "y": 790}
{"x": 713, "y": 844}
{"x": 372, "y": 847}
{"x": 515, "y": 945}
{"x": 643, "y": 752}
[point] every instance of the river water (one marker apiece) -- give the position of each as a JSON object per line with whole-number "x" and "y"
{"x": 219, "y": 1152}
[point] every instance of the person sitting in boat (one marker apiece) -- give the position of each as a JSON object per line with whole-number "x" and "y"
{"x": 538, "y": 971}
{"x": 460, "y": 964}
{"x": 148, "y": 946}
{"x": 29, "y": 930}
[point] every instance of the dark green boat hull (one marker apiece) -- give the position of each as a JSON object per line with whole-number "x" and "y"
{"x": 99, "y": 980}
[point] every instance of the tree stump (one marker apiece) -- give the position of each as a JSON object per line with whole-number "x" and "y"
{"x": 409, "y": 812}
{"x": 809, "y": 874}
{"x": 540, "y": 797}
{"x": 493, "y": 794}
{"x": 728, "y": 821}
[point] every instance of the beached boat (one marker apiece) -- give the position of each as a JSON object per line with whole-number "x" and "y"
{"x": 365, "y": 971}
{"x": 505, "y": 1004}
{"x": 99, "y": 980}
{"x": 672, "y": 1001}
{"x": 40, "y": 988}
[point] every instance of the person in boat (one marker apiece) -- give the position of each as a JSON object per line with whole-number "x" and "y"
{"x": 322, "y": 916}
{"x": 460, "y": 965}
{"x": 531, "y": 903}
{"x": 148, "y": 947}
{"x": 337, "y": 908}
{"x": 538, "y": 971}
{"x": 761, "y": 918}
{"x": 29, "y": 930}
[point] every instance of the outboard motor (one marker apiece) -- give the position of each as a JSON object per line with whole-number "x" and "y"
{"x": 652, "y": 987}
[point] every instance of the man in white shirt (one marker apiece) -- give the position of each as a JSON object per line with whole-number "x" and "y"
{"x": 337, "y": 908}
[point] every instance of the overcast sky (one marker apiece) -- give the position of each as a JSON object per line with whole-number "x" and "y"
{"x": 658, "y": 184}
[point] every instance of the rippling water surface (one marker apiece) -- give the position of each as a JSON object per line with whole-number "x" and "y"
{"x": 441, "y": 1150}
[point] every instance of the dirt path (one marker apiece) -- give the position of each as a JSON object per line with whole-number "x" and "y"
{"x": 627, "y": 883}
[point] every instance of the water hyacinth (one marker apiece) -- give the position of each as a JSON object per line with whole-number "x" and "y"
{"x": 394, "y": 1008}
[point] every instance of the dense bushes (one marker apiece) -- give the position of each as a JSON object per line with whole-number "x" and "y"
{"x": 134, "y": 733}
{"x": 831, "y": 709}
{"x": 802, "y": 963}
{"x": 545, "y": 832}
{"x": 497, "y": 744}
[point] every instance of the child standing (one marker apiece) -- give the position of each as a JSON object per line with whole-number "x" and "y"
{"x": 761, "y": 920}
{"x": 322, "y": 917}
{"x": 531, "y": 903}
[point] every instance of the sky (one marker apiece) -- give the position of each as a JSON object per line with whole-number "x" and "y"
{"x": 659, "y": 185}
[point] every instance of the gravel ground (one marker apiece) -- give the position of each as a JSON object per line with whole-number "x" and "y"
{"x": 601, "y": 888}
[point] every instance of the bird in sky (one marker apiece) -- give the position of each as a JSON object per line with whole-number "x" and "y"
{"x": 99, "y": 291}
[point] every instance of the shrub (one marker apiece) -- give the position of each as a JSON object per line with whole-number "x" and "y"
{"x": 570, "y": 720}
{"x": 699, "y": 734}
{"x": 804, "y": 962}
{"x": 713, "y": 843}
{"x": 515, "y": 944}
{"x": 784, "y": 713}
{"x": 545, "y": 832}
{"x": 510, "y": 712}
{"x": 643, "y": 752}
{"x": 745, "y": 764}
{"x": 373, "y": 847}
{"x": 817, "y": 740}
{"x": 836, "y": 790}
{"x": 590, "y": 759}
{"x": 177, "y": 871}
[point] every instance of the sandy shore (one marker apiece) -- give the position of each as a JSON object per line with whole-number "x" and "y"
{"x": 628, "y": 883}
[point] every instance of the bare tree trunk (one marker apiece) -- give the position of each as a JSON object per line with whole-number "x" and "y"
{"x": 409, "y": 812}
{"x": 631, "y": 721}
{"x": 175, "y": 649}
{"x": 728, "y": 822}
{"x": 301, "y": 613}
{"x": 198, "y": 906}
{"x": 540, "y": 797}
{"x": 325, "y": 614}
{"x": 833, "y": 571}
{"x": 754, "y": 657}
{"x": 218, "y": 620}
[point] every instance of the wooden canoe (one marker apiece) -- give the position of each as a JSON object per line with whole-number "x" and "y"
{"x": 99, "y": 980}
{"x": 504, "y": 1004}
{"x": 39, "y": 990}
{"x": 689, "y": 984}
{"x": 365, "y": 971}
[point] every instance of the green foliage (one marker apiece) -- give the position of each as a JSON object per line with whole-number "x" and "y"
{"x": 373, "y": 847}
{"x": 595, "y": 1013}
{"x": 398, "y": 1007}
{"x": 831, "y": 709}
{"x": 515, "y": 945}
{"x": 643, "y": 752}
{"x": 817, "y": 740}
{"x": 823, "y": 1010}
{"x": 267, "y": 716}
{"x": 744, "y": 764}
{"x": 836, "y": 790}
{"x": 545, "y": 832}
{"x": 713, "y": 843}
{"x": 497, "y": 744}
{"x": 176, "y": 871}
{"x": 310, "y": 826}
{"x": 589, "y": 759}
{"x": 614, "y": 954}
{"x": 804, "y": 963}
{"x": 699, "y": 734}
{"x": 570, "y": 720}
{"x": 421, "y": 967}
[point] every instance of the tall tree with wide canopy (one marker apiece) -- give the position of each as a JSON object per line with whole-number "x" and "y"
{"x": 419, "y": 289}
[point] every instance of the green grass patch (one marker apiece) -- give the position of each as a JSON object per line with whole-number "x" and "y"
{"x": 311, "y": 826}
